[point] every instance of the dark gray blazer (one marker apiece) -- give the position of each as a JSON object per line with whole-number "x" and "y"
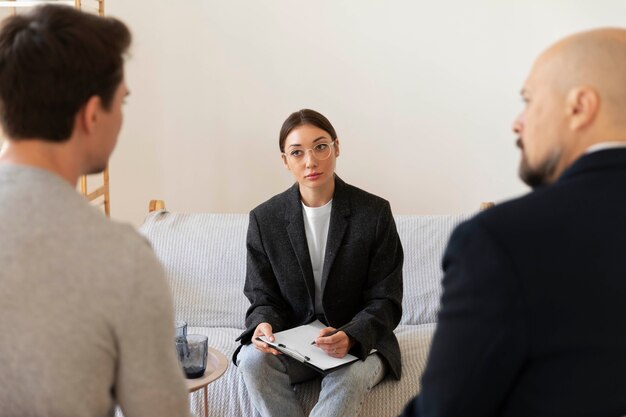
{"x": 361, "y": 277}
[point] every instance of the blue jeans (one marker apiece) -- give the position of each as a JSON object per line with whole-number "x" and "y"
{"x": 269, "y": 380}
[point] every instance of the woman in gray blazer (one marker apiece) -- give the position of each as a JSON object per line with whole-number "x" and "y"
{"x": 323, "y": 250}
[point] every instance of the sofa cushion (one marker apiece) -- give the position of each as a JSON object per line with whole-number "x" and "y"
{"x": 424, "y": 239}
{"x": 204, "y": 256}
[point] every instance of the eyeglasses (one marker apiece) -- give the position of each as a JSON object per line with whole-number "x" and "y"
{"x": 320, "y": 151}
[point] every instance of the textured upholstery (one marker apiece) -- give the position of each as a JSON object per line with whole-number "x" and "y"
{"x": 204, "y": 257}
{"x": 424, "y": 239}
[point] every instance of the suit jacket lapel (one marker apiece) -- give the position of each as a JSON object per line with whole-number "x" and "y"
{"x": 297, "y": 237}
{"x": 337, "y": 227}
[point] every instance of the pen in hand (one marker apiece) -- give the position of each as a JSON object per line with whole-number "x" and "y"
{"x": 333, "y": 332}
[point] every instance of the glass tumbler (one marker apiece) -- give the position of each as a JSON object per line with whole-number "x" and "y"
{"x": 180, "y": 328}
{"x": 192, "y": 354}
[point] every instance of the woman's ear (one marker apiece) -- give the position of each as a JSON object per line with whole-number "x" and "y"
{"x": 285, "y": 163}
{"x": 336, "y": 146}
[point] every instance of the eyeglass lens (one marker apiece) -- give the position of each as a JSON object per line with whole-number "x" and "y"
{"x": 320, "y": 151}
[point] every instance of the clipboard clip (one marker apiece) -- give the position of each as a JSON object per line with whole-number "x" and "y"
{"x": 294, "y": 353}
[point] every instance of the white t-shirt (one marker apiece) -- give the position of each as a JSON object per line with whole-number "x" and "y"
{"x": 316, "y": 222}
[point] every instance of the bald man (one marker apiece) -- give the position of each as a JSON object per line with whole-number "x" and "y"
{"x": 534, "y": 293}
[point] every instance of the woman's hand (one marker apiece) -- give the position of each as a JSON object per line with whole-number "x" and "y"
{"x": 264, "y": 329}
{"x": 336, "y": 345}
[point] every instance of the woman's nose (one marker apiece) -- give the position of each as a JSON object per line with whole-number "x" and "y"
{"x": 309, "y": 158}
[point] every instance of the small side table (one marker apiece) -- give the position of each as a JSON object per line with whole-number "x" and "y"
{"x": 216, "y": 364}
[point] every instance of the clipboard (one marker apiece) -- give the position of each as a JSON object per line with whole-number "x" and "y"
{"x": 296, "y": 343}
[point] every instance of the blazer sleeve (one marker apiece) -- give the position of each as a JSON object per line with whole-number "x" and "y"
{"x": 383, "y": 296}
{"x": 481, "y": 340}
{"x": 261, "y": 286}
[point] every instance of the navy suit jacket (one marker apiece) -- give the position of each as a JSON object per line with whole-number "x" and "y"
{"x": 534, "y": 304}
{"x": 361, "y": 277}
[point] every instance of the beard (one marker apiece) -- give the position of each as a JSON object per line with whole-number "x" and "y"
{"x": 541, "y": 175}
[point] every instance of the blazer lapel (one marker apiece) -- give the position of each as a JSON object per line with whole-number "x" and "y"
{"x": 337, "y": 227}
{"x": 297, "y": 237}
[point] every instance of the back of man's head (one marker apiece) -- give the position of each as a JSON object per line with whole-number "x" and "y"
{"x": 52, "y": 60}
{"x": 596, "y": 59}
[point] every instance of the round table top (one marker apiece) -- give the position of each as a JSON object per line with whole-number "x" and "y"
{"x": 216, "y": 364}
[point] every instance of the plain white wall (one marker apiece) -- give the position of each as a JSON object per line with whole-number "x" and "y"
{"x": 421, "y": 93}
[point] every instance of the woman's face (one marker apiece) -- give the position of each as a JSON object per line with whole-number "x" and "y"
{"x": 310, "y": 154}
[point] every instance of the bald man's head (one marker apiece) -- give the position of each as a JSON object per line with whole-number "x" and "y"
{"x": 576, "y": 97}
{"x": 596, "y": 59}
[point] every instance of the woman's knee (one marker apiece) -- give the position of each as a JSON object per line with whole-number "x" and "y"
{"x": 367, "y": 373}
{"x": 253, "y": 362}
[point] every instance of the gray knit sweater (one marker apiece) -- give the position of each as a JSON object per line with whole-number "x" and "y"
{"x": 86, "y": 317}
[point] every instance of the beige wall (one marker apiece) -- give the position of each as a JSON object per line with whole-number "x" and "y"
{"x": 422, "y": 94}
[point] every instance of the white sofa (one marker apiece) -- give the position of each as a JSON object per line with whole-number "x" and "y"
{"x": 205, "y": 259}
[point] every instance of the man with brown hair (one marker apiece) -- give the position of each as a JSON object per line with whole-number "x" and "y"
{"x": 534, "y": 292}
{"x": 85, "y": 312}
